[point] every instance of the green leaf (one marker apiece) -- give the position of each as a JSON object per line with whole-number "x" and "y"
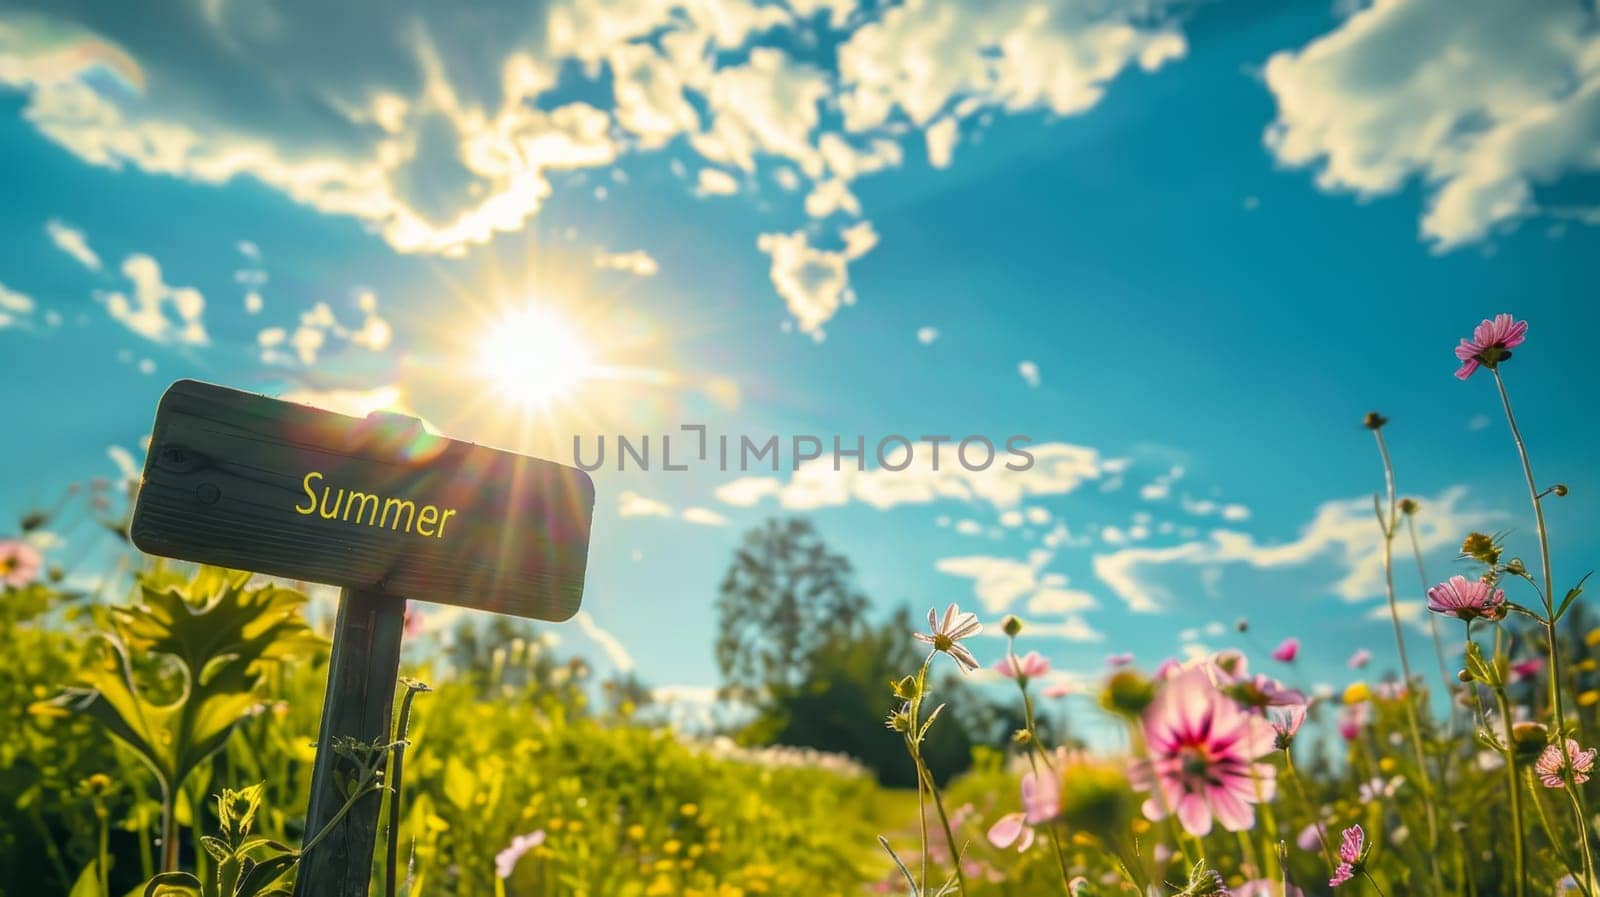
{"x": 221, "y": 635}
{"x": 173, "y": 884}
{"x": 88, "y": 884}
{"x": 1482, "y": 670}
{"x": 261, "y": 876}
{"x": 216, "y": 847}
{"x": 1572, "y": 595}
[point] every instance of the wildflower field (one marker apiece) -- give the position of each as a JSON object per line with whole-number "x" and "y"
{"x": 158, "y": 739}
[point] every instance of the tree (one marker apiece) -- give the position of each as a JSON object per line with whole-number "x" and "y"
{"x": 842, "y": 706}
{"x": 784, "y": 598}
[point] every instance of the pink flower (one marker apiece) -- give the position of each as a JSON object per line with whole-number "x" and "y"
{"x": 1491, "y": 343}
{"x": 1285, "y": 722}
{"x": 1028, "y": 666}
{"x": 1554, "y": 762}
{"x": 1119, "y": 660}
{"x": 1309, "y": 837}
{"x": 1351, "y": 718}
{"x": 1059, "y": 690}
{"x": 1350, "y": 850}
{"x": 946, "y": 635}
{"x": 1287, "y": 650}
{"x": 1202, "y": 752}
{"x": 1359, "y": 659}
{"x": 1526, "y": 669}
{"x": 1467, "y": 599}
{"x": 1040, "y": 803}
{"x": 19, "y": 563}
{"x": 505, "y": 862}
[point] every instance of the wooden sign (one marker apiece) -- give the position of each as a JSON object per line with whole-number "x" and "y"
{"x": 254, "y": 483}
{"x": 378, "y": 506}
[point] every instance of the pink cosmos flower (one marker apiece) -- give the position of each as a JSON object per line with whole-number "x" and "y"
{"x": 416, "y": 622}
{"x": 1350, "y": 850}
{"x": 1203, "y": 749}
{"x": 1310, "y": 837}
{"x": 1028, "y": 666}
{"x": 1119, "y": 660}
{"x": 19, "y": 563}
{"x": 1491, "y": 343}
{"x": 1266, "y": 887}
{"x": 1553, "y": 762}
{"x": 1286, "y": 650}
{"x": 1526, "y": 669}
{"x": 1041, "y": 801}
{"x": 1352, "y": 717}
{"x": 1285, "y": 722}
{"x": 1059, "y": 690}
{"x": 505, "y": 862}
{"x": 1467, "y": 599}
{"x": 1359, "y": 659}
{"x": 946, "y": 635}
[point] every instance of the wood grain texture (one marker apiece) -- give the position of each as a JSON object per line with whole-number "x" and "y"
{"x": 226, "y": 471}
{"x": 358, "y": 703}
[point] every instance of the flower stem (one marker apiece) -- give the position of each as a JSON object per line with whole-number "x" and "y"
{"x": 1433, "y": 622}
{"x": 1036, "y": 752}
{"x": 1544, "y": 556}
{"x": 1373, "y": 882}
{"x": 924, "y": 775}
{"x": 1389, "y": 526}
{"x": 1300, "y": 792}
{"x": 1515, "y": 788}
{"x": 1583, "y": 835}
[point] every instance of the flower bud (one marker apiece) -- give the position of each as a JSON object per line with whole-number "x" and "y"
{"x": 1528, "y": 739}
{"x": 1464, "y": 675}
{"x": 1127, "y": 693}
{"x": 1481, "y": 548}
{"x": 1374, "y": 421}
{"x": 1242, "y": 624}
{"x": 1560, "y": 489}
{"x": 1021, "y": 736}
{"x": 1409, "y": 506}
{"x": 1011, "y": 625}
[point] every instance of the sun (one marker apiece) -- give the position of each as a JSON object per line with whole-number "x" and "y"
{"x": 534, "y": 358}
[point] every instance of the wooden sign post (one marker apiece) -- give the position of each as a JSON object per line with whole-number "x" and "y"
{"x": 379, "y": 507}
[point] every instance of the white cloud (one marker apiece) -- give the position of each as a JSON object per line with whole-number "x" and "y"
{"x": 1479, "y": 422}
{"x": 1409, "y": 612}
{"x": 124, "y": 461}
{"x": 1479, "y": 101}
{"x": 14, "y": 306}
{"x": 1029, "y": 372}
{"x": 157, "y": 311}
{"x": 1058, "y": 468}
{"x": 926, "y": 335}
{"x": 70, "y": 240}
{"x": 716, "y": 182}
{"x": 446, "y": 129}
{"x": 941, "y": 137}
{"x": 632, "y": 504}
{"x": 815, "y": 282}
{"x": 620, "y": 659}
{"x": 1001, "y": 583}
{"x": 1343, "y": 533}
{"x": 638, "y": 262}
{"x": 1161, "y": 487}
{"x": 832, "y": 196}
{"x": 704, "y": 517}
{"x": 318, "y": 326}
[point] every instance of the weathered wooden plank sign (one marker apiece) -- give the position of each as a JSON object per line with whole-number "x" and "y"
{"x": 378, "y": 506}
{"x": 245, "y": 481}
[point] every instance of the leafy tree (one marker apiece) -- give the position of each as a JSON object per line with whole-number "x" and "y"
{"x": 843, "y": 705}
{"x": 785, "y": 598}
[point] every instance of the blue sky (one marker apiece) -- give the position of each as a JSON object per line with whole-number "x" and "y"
{"x": 1218, "y": 233}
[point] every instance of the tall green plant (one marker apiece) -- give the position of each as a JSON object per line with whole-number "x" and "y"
{"x": 180, "y": 669}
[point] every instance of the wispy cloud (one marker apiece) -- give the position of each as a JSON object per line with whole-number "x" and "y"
{"x": 70, "y": 240}
{"x": 1342, "y": 533}
{"x": 1058, "y": 468}
{"x": 614, "y": 650}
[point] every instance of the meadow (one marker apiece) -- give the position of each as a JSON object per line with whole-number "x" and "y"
{"x": 159, "y": 732}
